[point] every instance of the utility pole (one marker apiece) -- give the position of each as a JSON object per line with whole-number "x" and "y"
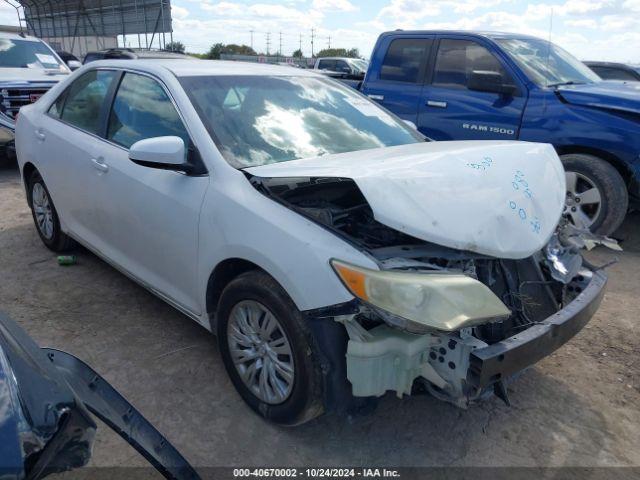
{"x": 251, "y": 31}
{"x": 268, "y": 42}
{"x": 300, "y": 46}
{"x": 329, "y": 42}
{"x": 312, "y": 35}
{"x": 280, "y": 45}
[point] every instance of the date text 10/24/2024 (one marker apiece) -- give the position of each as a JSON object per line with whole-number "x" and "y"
{"x": 315, "y": 473}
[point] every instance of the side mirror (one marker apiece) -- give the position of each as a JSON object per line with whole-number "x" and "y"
{"x": 74, "y": 64}
{"x": 166, "y": 153}
{"x": 491, "y": 82}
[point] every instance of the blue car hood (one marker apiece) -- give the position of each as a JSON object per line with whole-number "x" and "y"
{"x": 619, "y": 96}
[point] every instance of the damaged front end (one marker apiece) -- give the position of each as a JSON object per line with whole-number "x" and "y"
{"x": 459, "y": 322}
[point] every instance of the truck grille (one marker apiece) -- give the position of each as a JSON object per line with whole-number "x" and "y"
{"x": 12, "y": 97}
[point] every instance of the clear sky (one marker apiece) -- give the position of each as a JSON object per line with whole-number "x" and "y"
{"x": 590, "y": 29}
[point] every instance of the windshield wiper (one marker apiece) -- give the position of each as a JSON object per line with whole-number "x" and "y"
{"x": 561, "y": 84}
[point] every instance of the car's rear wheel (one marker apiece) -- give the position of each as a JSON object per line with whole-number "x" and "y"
{"x": 45, "y": 216}
{"x": 597, "y": 197}
{"x": 268, "y": 350}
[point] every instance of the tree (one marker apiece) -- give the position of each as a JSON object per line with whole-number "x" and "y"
{"x": 297, "y": 54}
{"x": 232, "y": 49}
{"x": 339, "y": 52}
{"x": 215, "y": 51}
{"x": 175, "y": 47}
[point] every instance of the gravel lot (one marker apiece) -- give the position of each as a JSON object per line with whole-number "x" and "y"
{"x": 578, "y": 407}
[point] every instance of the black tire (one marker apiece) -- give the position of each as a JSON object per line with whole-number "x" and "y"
{"x": 305, "y": 400}
{"x": 613, "y": 191}
{"x": 58, "y": 242}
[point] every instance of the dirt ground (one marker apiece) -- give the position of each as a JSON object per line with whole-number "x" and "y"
{"x": 578, "y": 407}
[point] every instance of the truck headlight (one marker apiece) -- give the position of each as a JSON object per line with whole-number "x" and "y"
{"x": 442, "y": 301}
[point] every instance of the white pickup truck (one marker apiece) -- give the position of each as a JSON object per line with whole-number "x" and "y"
{"x": 349, "y": 70}
{"x": 28, "y": 68}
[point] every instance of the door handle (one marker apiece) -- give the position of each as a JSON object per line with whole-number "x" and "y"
{"x": 376, "y": 97}
{"x": 99, "y": 165}
{"x": 40, "y": 135}
{"x": 436, "y": 103}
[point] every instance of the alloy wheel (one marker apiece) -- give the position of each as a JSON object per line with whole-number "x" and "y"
{"x": 583, "y": 201}
{"x": 261, "y": 352}
{"x": 42, "y": 209}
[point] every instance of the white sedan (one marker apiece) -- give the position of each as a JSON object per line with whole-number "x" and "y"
{"x": 336, "y": 254}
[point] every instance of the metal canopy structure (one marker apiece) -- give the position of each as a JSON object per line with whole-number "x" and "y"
{"x": 54, "y": 20}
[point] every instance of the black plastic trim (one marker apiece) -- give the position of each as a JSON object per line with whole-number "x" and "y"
{"x": 507, "y": 357}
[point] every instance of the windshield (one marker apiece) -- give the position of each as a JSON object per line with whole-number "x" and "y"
{"x": 547, "y": 64}
{"x": 26, "y": 54}
{"x": 256, "y": 120}
{"x": 360, "y": 65}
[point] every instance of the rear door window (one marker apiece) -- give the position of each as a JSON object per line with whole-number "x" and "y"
{"x": 405, "y": 60}
{"x": 85, "y": 100}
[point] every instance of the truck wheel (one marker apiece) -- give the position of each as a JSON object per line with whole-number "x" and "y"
{"x": 268, "y": 351}
{"x": 45, "y": 216}
{"x": 597, "y": 197}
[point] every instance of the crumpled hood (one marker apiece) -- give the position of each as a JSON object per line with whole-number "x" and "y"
{"x": 502, "y": 199}
{"x": 623, "y": 96}
{"x": 14, "y": 75}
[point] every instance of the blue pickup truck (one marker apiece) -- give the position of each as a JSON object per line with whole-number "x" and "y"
{"x": 462, "y": 85}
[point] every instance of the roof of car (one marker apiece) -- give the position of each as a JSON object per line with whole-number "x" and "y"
{"x": 195, "y": 67}
{"x": 336, "y": 58}
{"x": 140, "y": 53}
{"x": 470, "y": 33}
{"x": 18, "y": 36}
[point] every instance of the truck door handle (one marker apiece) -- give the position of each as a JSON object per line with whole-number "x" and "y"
{"x": 40, "y": 135}
{"x": 436, "y": 103}
{"x": 376, "y": 97}
{"x": 99, "y": 165}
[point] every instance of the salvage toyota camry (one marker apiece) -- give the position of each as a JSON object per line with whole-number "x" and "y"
{"x": 335, "y": 252}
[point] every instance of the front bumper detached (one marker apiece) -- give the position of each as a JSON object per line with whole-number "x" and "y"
{"x": 460, "y": 368}
{"x": 505, "y": 358}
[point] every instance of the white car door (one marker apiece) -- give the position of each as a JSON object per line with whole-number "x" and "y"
{"x": 151, "y": 215}
{"x": 68, "y": 149}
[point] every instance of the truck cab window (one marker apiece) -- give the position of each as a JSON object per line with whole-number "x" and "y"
{"x": 608, "y": 73}
{"x": 457, "y": 59}
{"x": 405, "y": 60}
{"x": 327, "y": 65}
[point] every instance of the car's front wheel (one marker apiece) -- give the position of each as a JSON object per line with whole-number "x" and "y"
{"x": 45, "y": 216}
{"x": 597, "y": 197}
{"x": 268, "y": 350}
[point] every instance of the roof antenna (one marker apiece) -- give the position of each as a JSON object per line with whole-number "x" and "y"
{"x": 544, "y": 101}
{"x": 549, "y": 39}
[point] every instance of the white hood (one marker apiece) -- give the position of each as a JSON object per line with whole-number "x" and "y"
{"x": 31, "y": 75}
{"x": 502, "y": 199}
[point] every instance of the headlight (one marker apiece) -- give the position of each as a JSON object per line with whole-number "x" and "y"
{"x": 441, "y": 301}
